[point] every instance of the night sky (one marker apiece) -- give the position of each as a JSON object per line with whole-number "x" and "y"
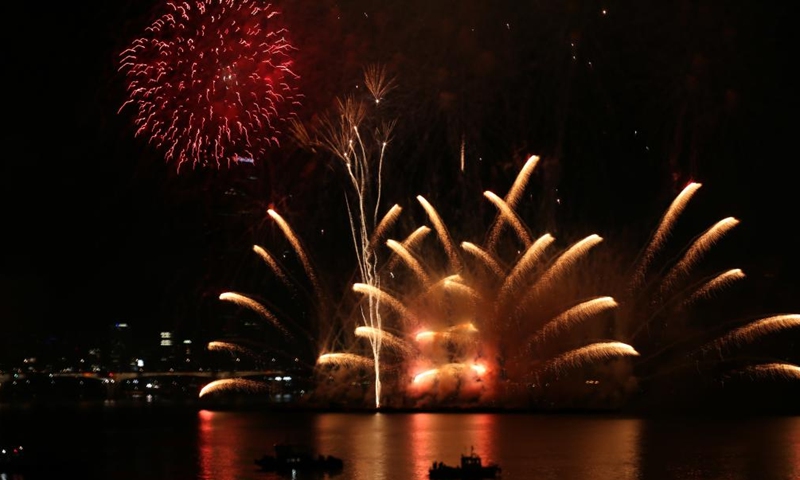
{"x": 99, "y": 229}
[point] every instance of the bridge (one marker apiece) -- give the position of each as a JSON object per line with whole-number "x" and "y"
{"x": 114, "y": 378}
{"x": 122, "y": 376}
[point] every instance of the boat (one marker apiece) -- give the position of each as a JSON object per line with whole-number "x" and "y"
{"x": 471, "y": 468}
{"x": 291, "y": 458}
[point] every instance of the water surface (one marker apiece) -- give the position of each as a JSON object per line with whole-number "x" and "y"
{"x": 154, "y": 443}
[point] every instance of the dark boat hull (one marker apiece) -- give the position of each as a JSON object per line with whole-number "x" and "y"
{"x": 446, "y": 472}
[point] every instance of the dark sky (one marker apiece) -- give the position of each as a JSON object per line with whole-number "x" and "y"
{"x": 98, "y": 229}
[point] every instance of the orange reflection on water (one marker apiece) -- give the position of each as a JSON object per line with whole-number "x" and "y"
{"x": 368, "y": 440}
{"x": 611, "y": 447}
{"x": 794, "y": 448}
{"x": 421, "y": 441}
{"x": 219, "y": 452}
{"x": 432, "y": 436}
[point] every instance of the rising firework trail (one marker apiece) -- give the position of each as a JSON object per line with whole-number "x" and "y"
{"x": 340, "y": 134}
{"x": 211, "y": 81}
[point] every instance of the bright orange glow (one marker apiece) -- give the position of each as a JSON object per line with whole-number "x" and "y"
{"x": 425, "y": 336}
{"x": 479, "y": 369}
{"x": 463, "y": 327}
{"x": 425, "y": 375}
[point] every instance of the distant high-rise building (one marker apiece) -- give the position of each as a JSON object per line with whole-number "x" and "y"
{"x": 120, "y": 346}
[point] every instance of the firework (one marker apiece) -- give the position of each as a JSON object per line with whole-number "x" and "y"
{"x": 696, "y": 251}
{"x": 405, "y": 315}
{"x": 575, "y": 315}
{"x": 513, "y": 196}
{"x": 273, "y": 265}
{"x": 514, "y": 279}
{"x": 339, "y": 134}
{"x": 345, "y": 359}
{"x": 227, "y": 346}
{"x": 410, "y": 261}
{"x": 391, "y": 341}
{"x": 485, "y": 327}
{"x": 715, "y": 284}
{"x": 444, "y": 235}
{"x": 245, "y": 301}
{"x": 232, "y": 384}
{"x": 485, "y": 257}
{"x": 590, "y": 354}
{"x": 510, "y": 216}
{"x": 300, "y": 251}
{"x": 409, "y": 244}
{"x": 786, "y": 371}
{"x": 756, "y": 329}
{"x": 662, "y": 232}
{"x": 211, "y": 81}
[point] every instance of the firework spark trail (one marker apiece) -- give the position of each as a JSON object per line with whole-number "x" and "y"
{"x": 462, "y": 289}
{"x": 273, "y": 265}
{"x": 301, "y": 253}
{"x": 662, "y": 232}
{"x": 363, "y": 163}
{"x": 409, "y": 243}
{"x": 485, "y": 257}
{"x": 563, "y": 263}
{"x": 405, "y": 314}
{"x": 227, "y": 346}
{"x": 529, "y": 259}
{"x": 388, "y": 220}
{"x": 591, "y": 353}
{"x": 378, "y": 81}
{"x": 444, "y": 235}
{"x": 248, "y": 302}
{"x": 211, "y": 81}
{"x": 449, "y": 368}
{"x": 463, "y": 148}
{"x": 574, "y": 315}
{"x": 428, "y": 374}
{"x": 391, "y": 341}
{"x": 787, "y": 371}
{"x": 457, "y": 333}
{"x": 510, "y": 216}
{"x": 410, "y": 260}
{"x": 229, "y": 384}
{"x": 696, "y": 251}
{"x": 754, "y": 330}
{"x": 512, "y": 198}
{"x": 468, "y": 327}
{"x": 345, "y": 360}
{"x": 717, "y": 283}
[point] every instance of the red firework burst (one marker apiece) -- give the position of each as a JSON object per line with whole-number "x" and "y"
{"x": 211, "y": 81}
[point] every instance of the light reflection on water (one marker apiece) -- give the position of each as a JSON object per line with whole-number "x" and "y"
{"x": 155, "y": 444}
